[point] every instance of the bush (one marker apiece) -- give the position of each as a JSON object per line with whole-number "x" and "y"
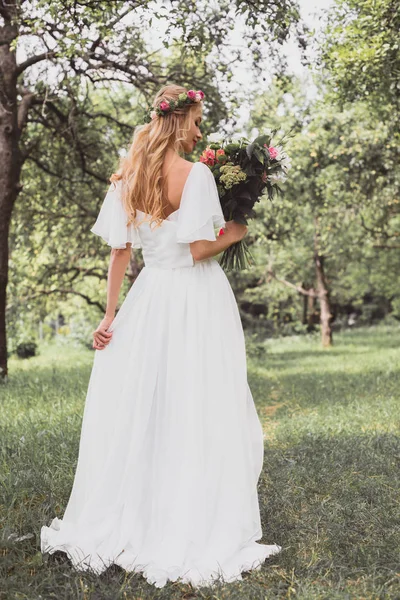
{"x": 26, "y": 349}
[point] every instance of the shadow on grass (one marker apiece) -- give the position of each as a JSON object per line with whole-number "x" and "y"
{"x": 333, "y": 505}
{"x": 370, "y": 397}
{"x": 278, "y": 353}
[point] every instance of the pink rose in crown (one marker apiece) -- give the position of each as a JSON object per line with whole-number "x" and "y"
{"x": 191, "y": 94}
{"x": 201, "y": 94}
{"x": 198, "y": 97}
{"x": 164, "y": 105}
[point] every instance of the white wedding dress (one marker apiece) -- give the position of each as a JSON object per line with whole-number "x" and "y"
{"x": 171, "y": 445}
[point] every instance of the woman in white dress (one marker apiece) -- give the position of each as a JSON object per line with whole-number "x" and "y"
{"x": 171, "y": 445}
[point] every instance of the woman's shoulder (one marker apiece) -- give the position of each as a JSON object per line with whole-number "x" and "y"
{"x": 189, "y": 164}
{"x": 196, "y": 167}
{"x": 183, "y": 166}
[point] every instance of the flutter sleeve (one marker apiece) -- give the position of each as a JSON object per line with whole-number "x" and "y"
{"x": 111, "y": 223}
{"x": 200, "y": 209}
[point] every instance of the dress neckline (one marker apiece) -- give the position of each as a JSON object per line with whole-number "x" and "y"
{"x": 183, "y": 191}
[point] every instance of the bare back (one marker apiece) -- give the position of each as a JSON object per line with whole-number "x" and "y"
{"x": 175, "y": 171}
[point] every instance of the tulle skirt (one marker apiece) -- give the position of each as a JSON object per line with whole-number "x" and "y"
{"x": 171, "y": 445}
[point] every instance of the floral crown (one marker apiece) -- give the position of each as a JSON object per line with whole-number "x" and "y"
{"x": 168, "y": 106}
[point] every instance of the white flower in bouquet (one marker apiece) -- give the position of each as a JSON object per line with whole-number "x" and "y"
{"x": 277, "y": 177}
{"x": 215, "y": 138}
{"x": 283, "y": 158}
{"x": 237, "y": 137}
{"x": 286, "y": 163}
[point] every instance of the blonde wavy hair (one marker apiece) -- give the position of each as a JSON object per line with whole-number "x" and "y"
{"x": 141, "y": 169}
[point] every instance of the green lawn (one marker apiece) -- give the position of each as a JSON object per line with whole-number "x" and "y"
{"x": 329, "y": 492}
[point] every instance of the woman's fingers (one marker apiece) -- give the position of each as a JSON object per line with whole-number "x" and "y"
{"x": 99, "y": 345}
{"x": 104, "y": 335}
{"x": 100, "y": 340}
{"x": 101, "y": 337}
{"x": 103, "y": 332}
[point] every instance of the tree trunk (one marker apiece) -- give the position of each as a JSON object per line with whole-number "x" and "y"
{"x": 10, "y": 169}
{"x": 324, "y": 302}
{"x": 322, "y": 290}
{"x": 308, "y": 307}
{"x": 305, "y": 306}
{"x": 311, "y": 311}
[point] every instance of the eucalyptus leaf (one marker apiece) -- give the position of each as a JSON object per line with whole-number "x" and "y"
{"x": 258, "y": 153}
{"x": 263, "y": 139}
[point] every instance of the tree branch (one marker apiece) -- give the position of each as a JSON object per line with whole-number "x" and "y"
{"x": 112, "y": 24}
{"x": 57, "y": 216}
{"x": 23, "y": 109}
{"x": 108, "y": 117}
{"x": 60, "y": 291}
{"x": 45, "y": 168}
{"x": 298, "y": 288}
{"x": 33, "y": 60}
{"x": 4, "y": 12}
{"x": 72, "y": 272}
{"x": 375, "y": 233}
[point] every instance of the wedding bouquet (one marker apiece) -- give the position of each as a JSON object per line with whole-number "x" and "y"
{"x": 243, "y": 171}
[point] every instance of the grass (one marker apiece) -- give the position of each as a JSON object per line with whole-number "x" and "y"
{"x": 329, "y": 492}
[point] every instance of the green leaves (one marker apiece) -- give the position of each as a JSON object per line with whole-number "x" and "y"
{"x": 361, "y": 53}
{"x": 259, "y": 154}
{"x": 231, "y": 148}
{"x": 264, "y": 139}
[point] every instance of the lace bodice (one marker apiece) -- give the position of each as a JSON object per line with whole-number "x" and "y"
{"x": 166, "y": 246}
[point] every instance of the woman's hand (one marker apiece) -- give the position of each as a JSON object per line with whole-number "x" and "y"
{"x": 233, "y": 232}
{"x": 236, "y": 231}
{"x": 102, "y": 337}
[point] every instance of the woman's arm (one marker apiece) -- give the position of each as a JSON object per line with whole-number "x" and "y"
{"x": 119, "y": 259}
{"x": 233, "y": 233}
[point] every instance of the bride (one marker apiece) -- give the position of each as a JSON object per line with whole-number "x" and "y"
{"x": 171, "y": 446}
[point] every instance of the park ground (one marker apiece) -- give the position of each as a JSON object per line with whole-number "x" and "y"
{"x": 329, "y": 491}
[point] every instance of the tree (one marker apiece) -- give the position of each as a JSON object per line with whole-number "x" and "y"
{"x": 341, "y": 193}
{"x": 81, "y": 44}
{"x": 360, "y": 55}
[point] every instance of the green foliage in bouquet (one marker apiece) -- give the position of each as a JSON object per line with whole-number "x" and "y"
{"x": 243, "y": 172}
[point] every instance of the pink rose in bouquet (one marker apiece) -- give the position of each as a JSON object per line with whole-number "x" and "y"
{"x": 273, "y": 152}
{"x": 208, "y": 157}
